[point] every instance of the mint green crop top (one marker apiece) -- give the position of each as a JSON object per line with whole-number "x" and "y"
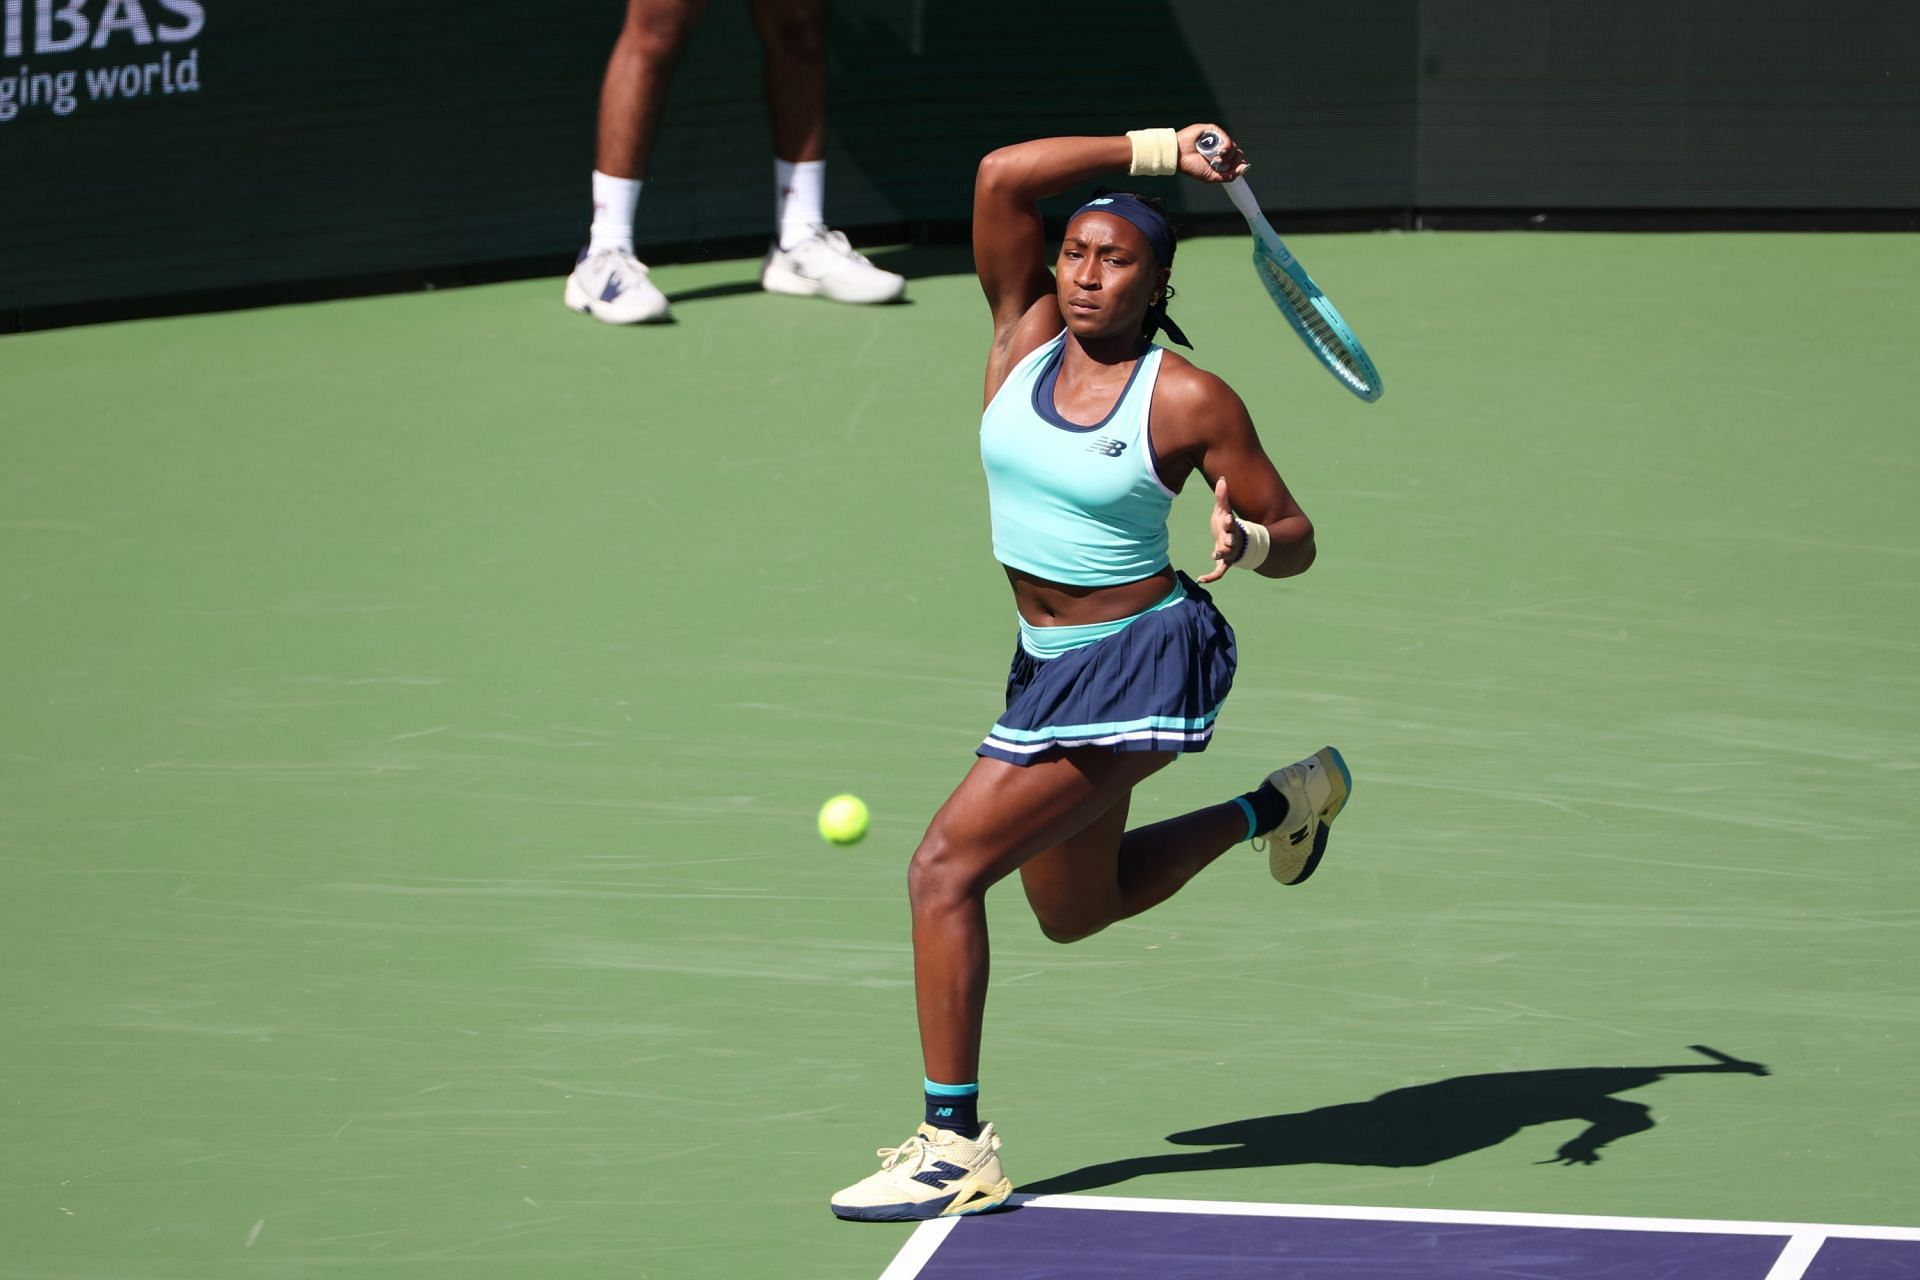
{"x": 1078, "y": 505}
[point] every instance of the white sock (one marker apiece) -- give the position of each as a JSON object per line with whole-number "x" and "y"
{"x": 800, "y": 195}
{"x": 614, "y": 200}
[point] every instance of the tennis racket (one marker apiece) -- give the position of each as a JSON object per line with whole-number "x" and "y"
{"x": 1751, "y": 1068}
{"x": 1307, "y": 309}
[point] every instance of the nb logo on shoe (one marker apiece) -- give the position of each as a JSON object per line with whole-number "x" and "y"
{"x": 1107, "y": 446}
{"x": 940, "y": 1175}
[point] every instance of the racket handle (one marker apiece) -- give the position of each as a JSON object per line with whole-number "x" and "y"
{"x": 1242, "y": 196}
{"x": 1208, "y": 145}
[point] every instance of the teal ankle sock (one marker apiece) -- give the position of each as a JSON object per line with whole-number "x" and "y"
{"x": 1265, "y": 808}
{"x": 955, "y": 1107}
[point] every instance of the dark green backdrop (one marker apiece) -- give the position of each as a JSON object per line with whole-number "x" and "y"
{"x": 303, "y": 142}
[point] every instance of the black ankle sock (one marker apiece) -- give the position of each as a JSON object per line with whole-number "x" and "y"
{"x": 955, "y": 1107}
{"x": 1269, "y": 808}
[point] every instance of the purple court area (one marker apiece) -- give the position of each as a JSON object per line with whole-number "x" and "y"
{"x": 1841, "y": 1259}
{"x": 1054, "y": 1240}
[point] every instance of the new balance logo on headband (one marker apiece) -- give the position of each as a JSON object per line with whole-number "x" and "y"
{"x": 1107, "y": 445}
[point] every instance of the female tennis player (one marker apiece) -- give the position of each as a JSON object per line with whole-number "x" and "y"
{"x": 1090, "y": 430}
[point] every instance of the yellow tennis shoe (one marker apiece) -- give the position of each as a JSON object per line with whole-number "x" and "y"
{"x": 934, "y": 1174}
{"x": 1316, "y": 789}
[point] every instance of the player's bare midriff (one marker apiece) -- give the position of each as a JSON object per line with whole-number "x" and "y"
{"x": 1054, "y": 604}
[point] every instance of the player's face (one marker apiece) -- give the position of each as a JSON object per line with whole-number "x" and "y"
{"x": 1106, "y": 277}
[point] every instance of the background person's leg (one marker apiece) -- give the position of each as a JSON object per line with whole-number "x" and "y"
{"x": 634, "y": 89}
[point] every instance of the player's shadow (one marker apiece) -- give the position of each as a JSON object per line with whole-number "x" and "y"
{"x": 1420, "y": 1125}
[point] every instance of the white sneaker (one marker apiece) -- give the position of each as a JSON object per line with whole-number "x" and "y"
{"x": 613, "y": 286}
{"x": 1316, "y": 790}
{"x": 934, "y": 1174}
{"x": 824, "y": 265}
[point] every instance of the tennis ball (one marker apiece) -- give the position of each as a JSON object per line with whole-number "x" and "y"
{"x": 843, "y": 820}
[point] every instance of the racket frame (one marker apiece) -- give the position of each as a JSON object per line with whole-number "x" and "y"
{"x": 1356, "y": 371}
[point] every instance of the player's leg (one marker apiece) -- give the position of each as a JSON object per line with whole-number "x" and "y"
{"x": 806, "y": 257}
{"x": 609, "y": 282}
{"x": 1106, "y": 873}
{"x": 1000, "y": 816}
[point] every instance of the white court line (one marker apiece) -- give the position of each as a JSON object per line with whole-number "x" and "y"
{"x": 1369, "y": 1213}
{"x": 918, "y": 1250}
{"x": 1794, "y": 1259}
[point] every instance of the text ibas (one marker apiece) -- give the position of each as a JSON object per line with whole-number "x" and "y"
{"x": 63, "y": 26}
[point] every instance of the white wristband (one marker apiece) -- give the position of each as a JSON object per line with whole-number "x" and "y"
{"x": 1258, "y": 544}
{"x": 1156, "y": 152}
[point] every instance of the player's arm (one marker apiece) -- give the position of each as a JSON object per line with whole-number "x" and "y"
{"x": 1214, "y": 433}
{"x": 1010, "y": 238}
{"x": 1610, "y": 1118}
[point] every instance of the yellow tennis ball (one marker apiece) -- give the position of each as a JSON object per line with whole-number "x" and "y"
{"x": 843, "y": 820}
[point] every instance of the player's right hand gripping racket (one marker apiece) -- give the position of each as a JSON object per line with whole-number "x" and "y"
{"x": 1307, "y": 309}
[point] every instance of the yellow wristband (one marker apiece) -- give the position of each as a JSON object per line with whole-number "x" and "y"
{"x": 1156, "y": 152}
{"x": 1256, "y": 545}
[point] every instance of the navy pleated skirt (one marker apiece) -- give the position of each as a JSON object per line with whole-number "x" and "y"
{"x": 1157, "y": 684}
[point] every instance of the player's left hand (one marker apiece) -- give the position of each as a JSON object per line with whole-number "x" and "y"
{"x": 1227, "y": 538}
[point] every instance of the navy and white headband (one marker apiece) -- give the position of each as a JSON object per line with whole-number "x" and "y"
{"x": 1152, "y": 223}
{"x": 1159, "y": 233}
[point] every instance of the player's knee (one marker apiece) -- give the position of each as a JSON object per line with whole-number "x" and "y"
{"x": 1066, "y": 927}
{"x": 1075, "y": 917}
{"x": 942, "y": 874}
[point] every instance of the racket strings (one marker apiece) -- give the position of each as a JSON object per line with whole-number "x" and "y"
{"x": 1301, "y": 306}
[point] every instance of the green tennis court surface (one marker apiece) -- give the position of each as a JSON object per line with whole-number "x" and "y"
{"x": 415, "y": 711}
